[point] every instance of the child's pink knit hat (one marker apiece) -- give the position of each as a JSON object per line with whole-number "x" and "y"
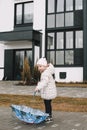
{"x": 42, "y": 61}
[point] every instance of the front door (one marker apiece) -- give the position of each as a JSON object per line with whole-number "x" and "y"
{"x": 8, "y": 65}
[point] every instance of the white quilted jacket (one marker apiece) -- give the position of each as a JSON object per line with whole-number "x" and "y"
{"x": 47, "y": 85}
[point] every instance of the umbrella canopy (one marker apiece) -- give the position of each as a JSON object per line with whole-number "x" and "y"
{"x": 29, "y": 115}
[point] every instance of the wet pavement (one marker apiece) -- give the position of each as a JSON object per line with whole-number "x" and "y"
{"x": 61, "y": 120}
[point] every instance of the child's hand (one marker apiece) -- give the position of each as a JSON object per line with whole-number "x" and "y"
{"x": 36, "y": 89}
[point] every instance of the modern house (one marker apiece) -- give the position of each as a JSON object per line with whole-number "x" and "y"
{"x": 56, "y": 29}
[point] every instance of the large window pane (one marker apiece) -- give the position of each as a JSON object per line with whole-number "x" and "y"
{"x": 69, "y": 5}
{"x": 60, "y": 40}
{"x": 60, "y": 20}
{"x": 50, "y": 21}
{"x": 28, "y": 12}
{"x": 69, "y": 57}
{"x": 29, "y": 56}
{"x": 79, "y": 57}
{"x": 69, "y": 19}
{"x": 19, "y": 14}
{"x": 69, "y": 39}
{"x": 19, "y": 62}
{"x": 79, "y": 39}
{"x": 51, "y": 57}
{"x": 60, "y": 5}
{"x": 20, "y": 58}
{"x": 78, "y": 4}
{"x": 51, "y": 6}
{"x": 50, "y": 41}
{"x": 59, "y": 57}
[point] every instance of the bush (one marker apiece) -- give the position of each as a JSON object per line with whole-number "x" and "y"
{"x": 30, "y": 76}
{"x": 26, "y": 74}
{"x": 36, "y": 74}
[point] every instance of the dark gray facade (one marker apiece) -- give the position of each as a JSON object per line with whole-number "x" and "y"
{"x": 60, "y": 25}
{"x": 85, "y": 39}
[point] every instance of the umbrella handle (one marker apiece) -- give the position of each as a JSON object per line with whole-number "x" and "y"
{"x": 34, "y": 94}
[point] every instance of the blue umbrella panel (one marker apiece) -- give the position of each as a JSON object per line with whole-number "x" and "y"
{"x": 28, "y": 114}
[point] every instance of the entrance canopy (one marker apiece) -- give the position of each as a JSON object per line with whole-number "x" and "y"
{"x": 21, "y": 34}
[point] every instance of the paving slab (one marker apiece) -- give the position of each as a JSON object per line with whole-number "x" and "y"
{"x": 61, "y": 121}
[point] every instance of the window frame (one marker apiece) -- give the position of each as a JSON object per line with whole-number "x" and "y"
{"x": 64, "y": 12}
{"x": 15, "y": 15}
{"x": 75, "y": 51}
{"x": 64, "y": 29}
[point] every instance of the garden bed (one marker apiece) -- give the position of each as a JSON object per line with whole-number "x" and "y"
{"x": 59, "y": 104}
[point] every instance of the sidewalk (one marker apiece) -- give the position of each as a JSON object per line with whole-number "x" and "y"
{"x": 10, "y": 87}
{"x": 62, "y": 120}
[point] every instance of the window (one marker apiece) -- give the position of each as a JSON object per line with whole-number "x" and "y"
{"x": 19, "y": 14}
{"x": 51, "y": 6}
{"x": 60, "y": 40}
{"x": 66, "y": 49}
{"x": 28, "y": 14}
{"x": 64, "y": 13}
{"x": 69, "y": 57}
{"x": 19, "y": 61}
{"x": 79, "y": 39}
{"x": 59, "y": 57}
{"x": 29, "y": 57}
{"x": 50, "y": 47}
{"x": 50, "y": 41}
{"x": 78, "y": 4}
{"x": 51, "y": 21}
{"x": 60, "y": 20}
{"x": 23, "y": 13}
{"x": 64, "y": 32}
{"x": 60, "y": 5}
{"x": 69, "y": 19}
{"x": 69, "y": 5}
{"x": 51, "y": 57}
{"x": 69, "y": 39}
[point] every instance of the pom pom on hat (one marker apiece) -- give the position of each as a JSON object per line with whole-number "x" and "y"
{"x": 42, "y": 61}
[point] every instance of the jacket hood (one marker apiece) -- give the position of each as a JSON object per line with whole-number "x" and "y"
{"x": 51, "y": 69}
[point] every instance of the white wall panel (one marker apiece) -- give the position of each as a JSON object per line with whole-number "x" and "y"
{"x": 36, "y": 54}
{"x": 6, "y": 15}
{"x": 18, "y": 45}
{"x": 1, "y": 55}
{"x": 1, "y": 74}
{"x": 72, "y": 74}
{"x": 39, "y": 20}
